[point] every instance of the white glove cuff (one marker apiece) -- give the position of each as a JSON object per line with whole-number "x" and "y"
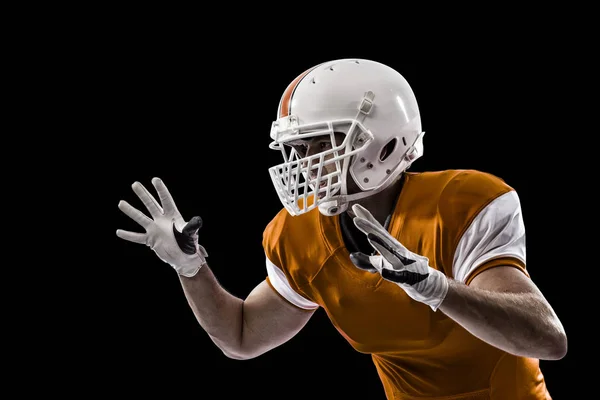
{"x": 191, "y": 267}
{"x": 434, "y": 292}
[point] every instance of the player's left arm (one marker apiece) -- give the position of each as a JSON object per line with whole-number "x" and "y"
{"x": 490, "y": 295}
{"x": 504, "y": 307}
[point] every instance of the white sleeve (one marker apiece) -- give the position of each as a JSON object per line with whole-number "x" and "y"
{"x": 281, "y": 284}
{"x": 497, "y": 231}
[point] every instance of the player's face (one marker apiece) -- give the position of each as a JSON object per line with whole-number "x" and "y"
{"x": 315, "y": 145}
{"x": 312, "y": 146}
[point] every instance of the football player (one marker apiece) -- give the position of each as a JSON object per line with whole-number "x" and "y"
{"x": 424, "y": 271}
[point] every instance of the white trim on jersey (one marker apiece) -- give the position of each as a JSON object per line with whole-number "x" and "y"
{"x": 497, "y": 231}
{"x": 281, "y": 284}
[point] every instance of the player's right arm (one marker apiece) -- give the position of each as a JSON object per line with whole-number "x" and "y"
{"x": 242, "y": 329}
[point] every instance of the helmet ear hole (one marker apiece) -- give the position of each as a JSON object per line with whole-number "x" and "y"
{"x": 388, "y": 149}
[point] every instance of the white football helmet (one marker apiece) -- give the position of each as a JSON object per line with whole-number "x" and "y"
{"x": 372, "y": 105}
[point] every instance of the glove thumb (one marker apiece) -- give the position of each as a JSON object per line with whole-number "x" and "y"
{"x": 362, "y": 261}
{"x": 192, "y": 226}
{"x": 185, "y": 238}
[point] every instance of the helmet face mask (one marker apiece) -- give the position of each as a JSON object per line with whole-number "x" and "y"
{"x": 368, "y": 102}
{"x": 305, "y": 181}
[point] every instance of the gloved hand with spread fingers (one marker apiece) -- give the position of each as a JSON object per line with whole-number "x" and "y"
{"x": 397, "y": 264}
{"x": 173, "y": 240}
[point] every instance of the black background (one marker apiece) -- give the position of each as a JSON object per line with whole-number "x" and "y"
{"x": 200, "y": 120}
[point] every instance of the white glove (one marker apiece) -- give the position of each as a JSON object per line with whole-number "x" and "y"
{"x": 173, "y": 241}
{"x": 397, "y": 264}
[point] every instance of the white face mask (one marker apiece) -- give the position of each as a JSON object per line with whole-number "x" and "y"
{"x": 304, "y": 182}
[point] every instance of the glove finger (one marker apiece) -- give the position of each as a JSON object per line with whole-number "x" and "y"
{"x": 400, "y": 273}
{"x": 366, "y": 226}
{"x": 405, "y": 276}
{"x": 385, "y": 236}
{"x": 135, "y": 214}
{"x": 165, "y": 197}
{"x": 388, "y": 250}
{"x": 153, "y": 208}
{"x": 362, "y": 212}
{"x": 134, "y": 237}
{"x": 362, "y": 261}
{"x": 192, "y": 226}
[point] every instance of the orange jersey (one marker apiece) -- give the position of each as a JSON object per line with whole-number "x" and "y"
{"x": 465, "y": 222}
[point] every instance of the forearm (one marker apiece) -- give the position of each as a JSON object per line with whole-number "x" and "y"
{"x": 216, "y": 310}
{"x": 518, "y": 323}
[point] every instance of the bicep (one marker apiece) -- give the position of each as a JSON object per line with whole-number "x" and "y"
{"x": 269, "y": 320}
{"x": 505, "y": 279}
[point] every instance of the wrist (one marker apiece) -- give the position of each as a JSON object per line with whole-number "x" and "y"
{"x": 438, "y": 288}
{"x": 191, "y": 269}
{"x": 431, "y": 291}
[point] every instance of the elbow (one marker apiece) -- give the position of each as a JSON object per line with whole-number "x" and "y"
{"x": 552, "y": 335}
{"x": 556, "y": 342}
{"x": 543, "y": 347}
{"x": 239, "y": 354}
{"x": 558, "y": 349}
{"x": 560, "y": 345}
{"x": 234, "y": 356}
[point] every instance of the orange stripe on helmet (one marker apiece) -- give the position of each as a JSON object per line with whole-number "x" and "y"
{"x": 286, "y": 99}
